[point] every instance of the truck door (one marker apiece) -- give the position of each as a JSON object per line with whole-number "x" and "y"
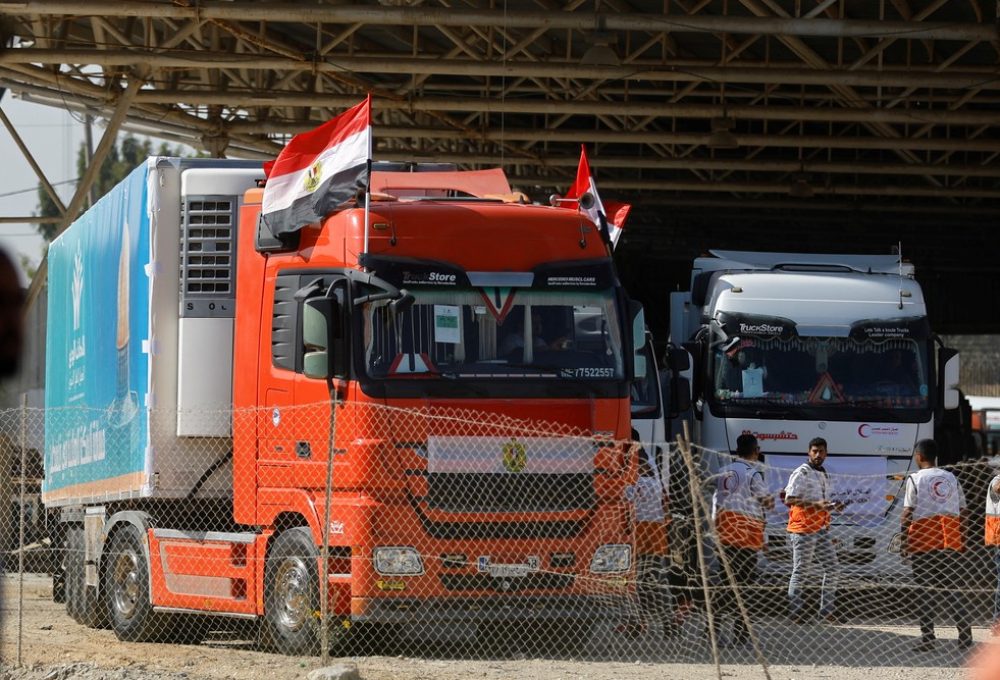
{"x": 276, "y": 450}
{"x": 299, "y": 406}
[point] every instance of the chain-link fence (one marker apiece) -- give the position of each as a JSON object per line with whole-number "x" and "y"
{"x": 487, "y": 535}
{"x": 981, "y": 373}
{"x": 980, "y": 364}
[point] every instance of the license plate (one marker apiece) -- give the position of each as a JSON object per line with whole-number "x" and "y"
{"x": 531, "y": 564}
{"x": 508, "y": 570}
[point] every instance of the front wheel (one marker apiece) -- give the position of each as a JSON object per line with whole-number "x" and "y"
{"x": 291, "y": 594}
{"x": 127, "y": 589}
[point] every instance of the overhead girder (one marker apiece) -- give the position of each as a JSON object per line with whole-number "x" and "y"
{"x": 894, "y": 124}
{"x": 656, "y": 137}
{"x": 633, "y": 107}
{"x": 823, "y": 94}
{"x": 988, "y": 79}
{"x": 311, "y": 13}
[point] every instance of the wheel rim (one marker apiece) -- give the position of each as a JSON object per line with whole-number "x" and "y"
{"x": 292, "y": 586}
{"x": 125, "y": 580}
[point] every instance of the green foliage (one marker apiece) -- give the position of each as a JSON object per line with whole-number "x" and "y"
{"x": 124, "y": 156}
{"x": 27, "y": 265}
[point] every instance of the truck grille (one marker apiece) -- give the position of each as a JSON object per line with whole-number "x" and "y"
{"x": 487, "y": 492}
{"x": 455, "y": 531}
{"x": 487, "y": 583}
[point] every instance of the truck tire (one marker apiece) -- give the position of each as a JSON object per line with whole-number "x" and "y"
{"x": 58, "y": 562}
{"x": 126, "y": 588}
{"x": 291, "y": 599}
{"x": 291, "y": 594}
{"x": 82, "y": 603}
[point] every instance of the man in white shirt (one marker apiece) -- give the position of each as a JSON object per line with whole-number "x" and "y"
{"x": 808, "y": 496}
{"x": 932, "y": 522}
{"x": 992, "y": 541}
{"x": 741, "y": 497}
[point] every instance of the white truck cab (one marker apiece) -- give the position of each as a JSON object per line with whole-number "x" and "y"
{"x": 790, "y": 347}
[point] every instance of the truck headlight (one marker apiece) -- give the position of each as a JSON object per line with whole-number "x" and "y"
{"x": 610, "y": 559}
{"x": 398, "y": 561}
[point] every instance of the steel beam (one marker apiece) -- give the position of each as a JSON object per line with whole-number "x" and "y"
{"x": 627, "y": 137}
{"x": 638, "y": 107}
{"x": 31, "y": 219}
{"x": 779, "y": 188}
{"x": 709, "y": 164}
{"x": 337, "y": 64}
{"x": 311, "y": 13}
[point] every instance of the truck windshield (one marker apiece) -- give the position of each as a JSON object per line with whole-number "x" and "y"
{"x": 806, "y": 375}
{"x": 522, "y": 333}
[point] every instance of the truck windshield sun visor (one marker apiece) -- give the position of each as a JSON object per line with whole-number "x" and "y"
{"x": 885, "y": 367}
{"x": 744, "y": 325}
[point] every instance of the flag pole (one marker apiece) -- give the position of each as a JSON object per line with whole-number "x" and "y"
{"x": 368, "y": 184}
{"x": 368, "y": 197}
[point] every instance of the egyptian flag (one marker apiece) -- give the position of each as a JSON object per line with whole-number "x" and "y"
{"x": 318, "y": 170}
{"x": 610, "y": 217}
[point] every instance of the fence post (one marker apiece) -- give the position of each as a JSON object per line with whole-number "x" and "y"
{"x": 730, "y": 576}
{"x": 324, "y": 579}
{"x": 684, "y": 443}
{"x": 20, "y": 517}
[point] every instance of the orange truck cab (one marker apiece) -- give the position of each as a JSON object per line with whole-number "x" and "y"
{"x": 429, "y": 399}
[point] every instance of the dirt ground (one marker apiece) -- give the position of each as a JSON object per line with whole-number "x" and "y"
{"x": 54, "y": 647}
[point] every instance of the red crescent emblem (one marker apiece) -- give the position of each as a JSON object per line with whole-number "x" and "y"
{"x": 937, "y": 491}
{"x": 730, "y": 482}
{"x": 863, "y": 430}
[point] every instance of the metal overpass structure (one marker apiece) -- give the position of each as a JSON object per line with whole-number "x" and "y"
{"x": 842, "y": 125}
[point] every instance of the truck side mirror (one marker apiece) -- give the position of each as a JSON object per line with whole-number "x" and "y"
{"x": 696, "y": 353}
{"x": 679, "y": 361}
{"x": 639, "y": 368}
{"x": 317, "y": 318}
{"x": 948, "y": 363}
{"x": 323, "y": 335}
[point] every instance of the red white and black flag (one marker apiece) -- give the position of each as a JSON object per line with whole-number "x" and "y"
{"x": 318, "y": 170}
{"x": 610, "y": 216}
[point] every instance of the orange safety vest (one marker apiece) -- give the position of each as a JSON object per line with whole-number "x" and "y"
{"x": 651, "y": 518}
{"x": 992, "y": 514}
{"x": 937, "y": 501}
{"x": 739, "y": 519}
{"x": 809, "y": 484}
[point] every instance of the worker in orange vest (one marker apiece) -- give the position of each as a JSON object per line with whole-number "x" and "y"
{"x": 808, "y": 496}
{"x": 993, "y": 540}
{"x": 738, "y": 505}
{"x": 933, "y": 514}
{"x": 651, "y": 503}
